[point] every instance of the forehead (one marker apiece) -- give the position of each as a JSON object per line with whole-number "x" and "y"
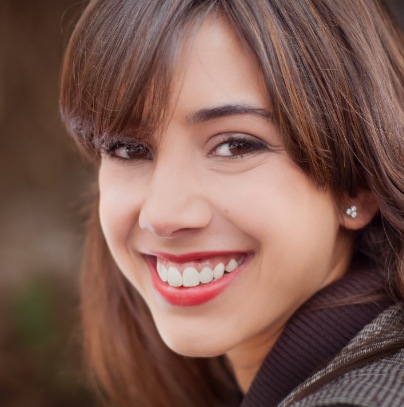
{"x": 214, "y": 68}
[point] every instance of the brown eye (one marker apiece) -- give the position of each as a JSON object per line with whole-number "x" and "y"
{"x": 238, "y": 147}
{"x": 131, "y": 152}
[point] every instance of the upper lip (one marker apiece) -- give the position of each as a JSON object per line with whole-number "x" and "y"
{"x": 194, "y": 256}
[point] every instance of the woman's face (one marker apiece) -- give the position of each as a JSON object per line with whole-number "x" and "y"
{"x": 213, "y": 202}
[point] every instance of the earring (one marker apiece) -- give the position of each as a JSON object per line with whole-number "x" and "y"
{"x": 352, "y": 211}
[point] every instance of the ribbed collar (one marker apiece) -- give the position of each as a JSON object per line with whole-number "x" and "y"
{"x": 315, "y": 334}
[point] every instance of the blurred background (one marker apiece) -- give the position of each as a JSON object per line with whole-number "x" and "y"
{"x": 42, "y": 193}
{"x": 43, "y": 183}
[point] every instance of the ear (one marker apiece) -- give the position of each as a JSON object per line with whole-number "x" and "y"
{"x": 366, "y": 209}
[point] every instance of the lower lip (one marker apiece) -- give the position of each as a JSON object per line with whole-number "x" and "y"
{"x": 192, "y": 296}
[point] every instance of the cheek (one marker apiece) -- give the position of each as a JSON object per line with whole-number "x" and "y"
{"x": 118, "y": 212}
{"x": 277, "y": 196}
{"x": 118, "y": 209}
{"x": 294, "y": 223}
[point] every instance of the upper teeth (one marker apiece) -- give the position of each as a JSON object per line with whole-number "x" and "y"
{"x": 191, "y": 277}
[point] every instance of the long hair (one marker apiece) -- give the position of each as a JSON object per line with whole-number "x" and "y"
{"x": 333, "y": 72}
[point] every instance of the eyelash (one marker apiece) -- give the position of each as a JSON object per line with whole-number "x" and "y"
{"x": 141, "y": 155}
{"x": 145, "y": 151}
{"x": 251, "y": 143}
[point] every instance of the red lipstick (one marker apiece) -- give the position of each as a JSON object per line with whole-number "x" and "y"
{"x": 192, "y": 296}
{"x": 195, "y": 256}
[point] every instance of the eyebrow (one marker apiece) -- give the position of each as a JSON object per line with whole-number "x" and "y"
{"x": 204, "y": 115}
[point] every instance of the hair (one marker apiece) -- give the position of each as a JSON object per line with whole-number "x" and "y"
{"x": 333, "y": 72}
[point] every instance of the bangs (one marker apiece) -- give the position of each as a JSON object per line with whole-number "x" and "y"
{"x": 118, "y": 68}
{"x": 120, "y": 61}
{"x": 328, "y": 97}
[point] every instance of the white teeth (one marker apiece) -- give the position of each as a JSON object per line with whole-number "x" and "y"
{"x": 206, "y": 275}
{"x": 162, "y": 271}
{"x": 190, "y": 277}
{"x": 231, "y": 266}
{"x": 241, "y": 261}
{"x": 218, "y": 271}
{"x": 174, "y": 277}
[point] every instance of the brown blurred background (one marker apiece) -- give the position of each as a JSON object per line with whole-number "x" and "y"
{"x": 43, "y": 183}
{"x": 43, "y": 186}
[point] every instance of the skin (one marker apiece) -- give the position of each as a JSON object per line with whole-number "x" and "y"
{"x": 186, "y": 195}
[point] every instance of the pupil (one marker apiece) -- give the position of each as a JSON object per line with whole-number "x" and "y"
{"x": 239, "y": 147}
{"x": 136, "y": 151}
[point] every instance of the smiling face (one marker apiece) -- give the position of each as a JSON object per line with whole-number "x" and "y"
{"x": 214, "y": 203}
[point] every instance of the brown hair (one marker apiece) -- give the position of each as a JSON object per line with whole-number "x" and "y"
{"x": 333, "y": 72}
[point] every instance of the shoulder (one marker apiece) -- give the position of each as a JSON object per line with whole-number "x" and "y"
{"x": 379, "y": 383}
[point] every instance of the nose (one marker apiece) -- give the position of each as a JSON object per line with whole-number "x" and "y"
{"x": 175, "y": 202}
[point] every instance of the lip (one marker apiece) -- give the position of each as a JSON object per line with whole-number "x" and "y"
{"x": 192, "y": 296}
{"x": 184, "y": 258}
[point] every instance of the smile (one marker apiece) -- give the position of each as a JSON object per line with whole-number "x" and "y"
{"x": 195, "y": 273}
{"x": 197, "y": 278}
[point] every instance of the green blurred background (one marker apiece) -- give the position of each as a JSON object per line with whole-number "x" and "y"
{"x": 43, "y": 195}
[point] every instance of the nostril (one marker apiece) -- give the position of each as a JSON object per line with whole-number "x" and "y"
{"x": 174, "y": 217}
{"x": 164, "y": 228}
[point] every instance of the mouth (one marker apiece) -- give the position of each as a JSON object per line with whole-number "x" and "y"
{"x": 192, "y": 274}
{"x": 196, "y": 278}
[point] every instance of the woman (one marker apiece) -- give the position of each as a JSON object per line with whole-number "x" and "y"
{"x": 246, "y": 245}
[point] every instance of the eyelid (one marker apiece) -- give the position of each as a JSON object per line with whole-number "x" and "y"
{"x": 109, "y": 146}
{"x": 109, "y": 141}
{"x": 254, "y": 141}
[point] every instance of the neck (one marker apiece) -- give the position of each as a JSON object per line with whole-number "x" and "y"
{"x": 246, "y": 359}
{"x": 317, "y": 332}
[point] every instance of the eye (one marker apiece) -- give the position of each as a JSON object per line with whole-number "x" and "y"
{"x": 238, "y": 147}
{"x": 130, "y": 151}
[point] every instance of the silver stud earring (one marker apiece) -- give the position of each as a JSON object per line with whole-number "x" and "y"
{"x": 352, "y": 211}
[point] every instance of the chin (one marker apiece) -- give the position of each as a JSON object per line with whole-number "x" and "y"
{"x": 187, "y": 345}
